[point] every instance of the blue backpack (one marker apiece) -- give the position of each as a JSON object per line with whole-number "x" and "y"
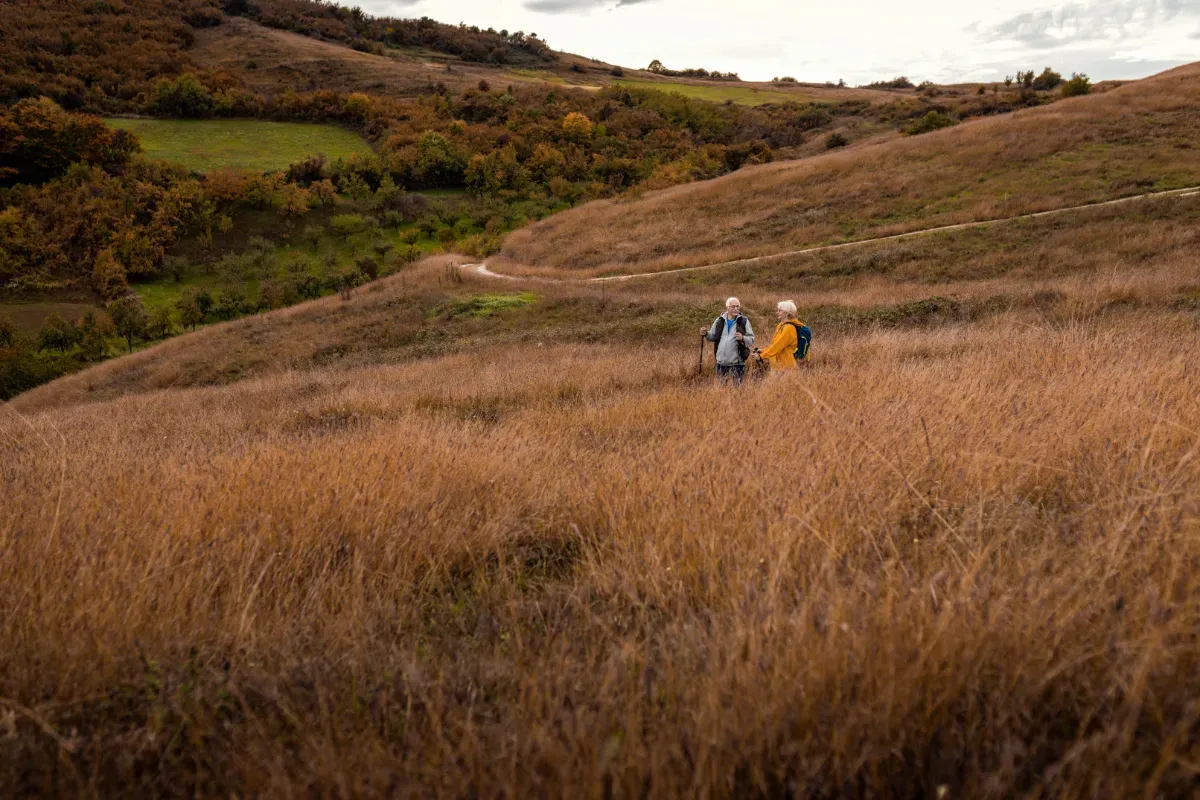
{"x": 803, "y": 341}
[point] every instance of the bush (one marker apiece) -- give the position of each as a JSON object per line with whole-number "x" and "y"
{"x": 1079, "y": 85}
{"x": 369, "y": 267}
{"x": 895, "y": 83}
{"x": 836, "y": 140}
{"x": 617, "y": 72}
{"x": 186, "y": 96}
{"x": 8, "y": 331}
{"x": 934, "y": 120}
{"x": 1047, "y": 80}
{"x": 58, "y": 334}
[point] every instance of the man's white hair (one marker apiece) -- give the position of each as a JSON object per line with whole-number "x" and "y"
{"x": 788, "y": 306}
{"x": 732, "y": 301}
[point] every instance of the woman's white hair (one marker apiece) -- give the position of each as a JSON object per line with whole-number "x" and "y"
{"x": 788, "y": 306}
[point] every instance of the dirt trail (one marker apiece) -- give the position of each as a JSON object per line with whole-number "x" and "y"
{"x": 481, "y": 269}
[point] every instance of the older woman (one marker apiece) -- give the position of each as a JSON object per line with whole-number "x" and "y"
{"x": 780, "y": 354}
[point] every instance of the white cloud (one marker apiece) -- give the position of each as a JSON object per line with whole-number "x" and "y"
{"x": 859, "y": 40}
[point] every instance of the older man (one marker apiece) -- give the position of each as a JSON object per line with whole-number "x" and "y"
{"x": 732, "y": 337}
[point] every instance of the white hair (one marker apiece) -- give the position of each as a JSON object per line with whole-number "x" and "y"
{"x": 788, "y": 306}
{"x": 731, "y": 301}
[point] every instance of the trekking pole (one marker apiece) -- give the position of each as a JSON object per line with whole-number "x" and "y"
{"x": 700, "y": 366}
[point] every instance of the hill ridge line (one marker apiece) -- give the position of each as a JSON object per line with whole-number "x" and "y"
{"x": 482, "y": 269}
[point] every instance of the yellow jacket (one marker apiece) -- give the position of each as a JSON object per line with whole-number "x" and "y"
{"x": 780, "y": 353}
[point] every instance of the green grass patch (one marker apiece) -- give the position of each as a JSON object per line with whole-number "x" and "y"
{"x": 742, "y": 95}
{"x": 486, "y": 305}
{"x": 204, "y": 145}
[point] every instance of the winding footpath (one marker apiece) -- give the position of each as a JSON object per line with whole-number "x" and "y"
{"x": 481, "y": 269}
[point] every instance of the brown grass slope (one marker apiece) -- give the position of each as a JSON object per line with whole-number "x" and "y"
{"x": 270, "y": 61}
{"x": 1138, "y": 137}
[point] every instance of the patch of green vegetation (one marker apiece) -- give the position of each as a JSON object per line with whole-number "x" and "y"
{"x": 205, "y": 145}
{"x": 486, "y": 305}
{"x": 538, "y": 74}
{"x": 742, "y": 95}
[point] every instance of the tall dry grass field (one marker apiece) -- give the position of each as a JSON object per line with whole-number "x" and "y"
{"x": 960, "y": 564}
{"x": 1136, "y": 138}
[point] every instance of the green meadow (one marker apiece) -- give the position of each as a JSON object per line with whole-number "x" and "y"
{"x": 204, "y": 145}
{"x": 740, "y": 94}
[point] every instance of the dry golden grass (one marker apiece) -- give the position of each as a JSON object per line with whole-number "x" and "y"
{"x": 965, "y": 559}
{"x": 1135, "y": 138}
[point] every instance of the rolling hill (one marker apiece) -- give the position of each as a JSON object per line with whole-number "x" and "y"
{"x": 1136, "y": 138}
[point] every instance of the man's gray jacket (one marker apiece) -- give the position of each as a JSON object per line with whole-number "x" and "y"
{"x": 727, "y": 350}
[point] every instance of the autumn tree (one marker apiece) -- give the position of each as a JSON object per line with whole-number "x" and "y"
{"x": 129, "y": 318}
{"x": 294, "y": 201}
{"x": 108, "y": 276}
{"x": 324, "y": 192}
{"x": 577, "y": 127}
{"x": 39, "y": 141}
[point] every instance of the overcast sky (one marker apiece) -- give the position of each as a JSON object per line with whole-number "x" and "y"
{"x": 858, "y": 40}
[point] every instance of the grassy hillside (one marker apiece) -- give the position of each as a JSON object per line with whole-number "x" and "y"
{"x": 267, "y": 59}
{"x": 1138, "y": 137}
{"x": 204, "y": 145}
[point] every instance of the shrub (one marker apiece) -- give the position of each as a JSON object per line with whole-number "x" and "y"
{"x": 895, "y": 83}
{"x": 1079, "y": 85}
{"x": 617, "y": 72}
{"x": 1049, "y": 79}
{"x": 308, "y": 171}
{"x": 8, "y": 331}
{"x": 185, "y": 96}
{"x": 58, "y": 334}
{"x": 835, "y": 140}
{"x": 934, "y": 120}
{"x": 369, "y": 268}
{"x": 577, "y": 127}
{"x": 484, "y": 86}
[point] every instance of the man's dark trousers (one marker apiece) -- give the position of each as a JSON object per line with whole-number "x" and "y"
{"x": 735, "y": 372}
